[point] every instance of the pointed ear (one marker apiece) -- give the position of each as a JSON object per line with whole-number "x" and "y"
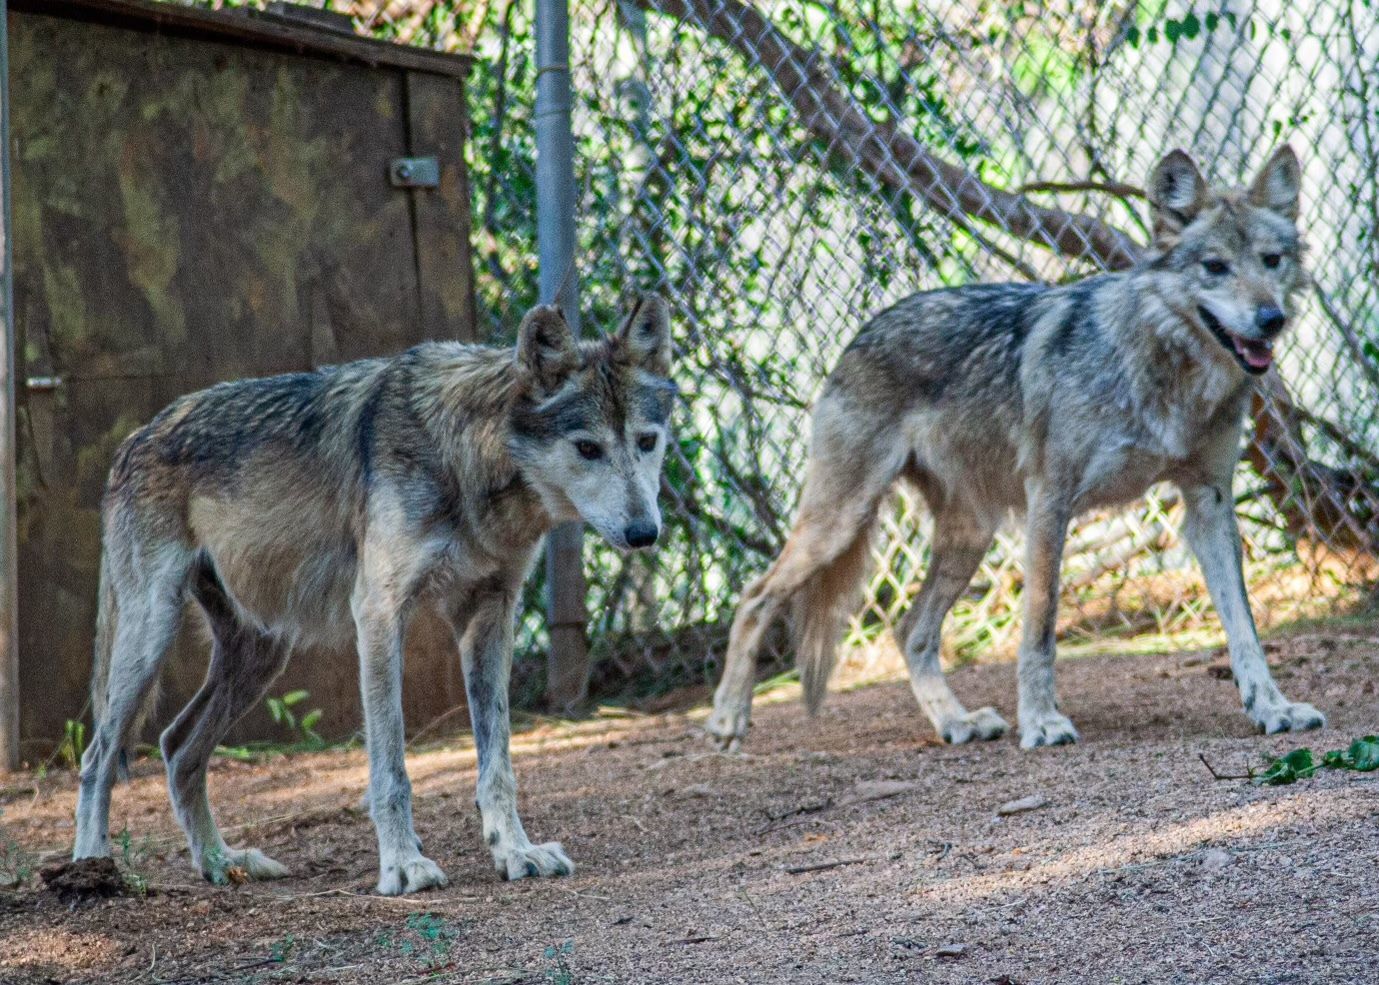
{"x": 645, "y": 335}
{"x": 1278, "y": 184}
{"x": 1176, "y": 194}
{"x": 546, "y": 347}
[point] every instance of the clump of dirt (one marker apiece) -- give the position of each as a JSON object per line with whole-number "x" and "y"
{"x": 85, "y": 879}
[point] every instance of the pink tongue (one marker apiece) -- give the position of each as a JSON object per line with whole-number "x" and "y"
{"x": 1257, "y": 356}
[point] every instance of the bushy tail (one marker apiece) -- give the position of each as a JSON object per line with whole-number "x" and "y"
{"x": 821, "y": 609}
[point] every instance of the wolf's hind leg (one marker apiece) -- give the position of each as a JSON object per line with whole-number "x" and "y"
{"x": 1212, "y": 532}
{"x": 244, "y": 663}
{"x": 960, "y": 542}
{"x": 484, "y": 631}
{"x": 849, "y": 472}
{"x": 148, "y": 611}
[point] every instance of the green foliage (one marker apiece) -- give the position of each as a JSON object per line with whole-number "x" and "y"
{"x": 281, "y": 710}
{"x": 132, "y": 859}
{"x": 426, "y": 936}
{"x": 558, "y": 971}
{"x": 73, "y": 744}
{"x": 282, "y": 948}
{"x": 1362, "y": 756}
{"x": 16, "y": 863}
{"x": 1296, "y": 765}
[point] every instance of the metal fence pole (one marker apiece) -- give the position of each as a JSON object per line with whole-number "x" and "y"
{"x": 9, "y": 564}
{"x": 567, "y": 665}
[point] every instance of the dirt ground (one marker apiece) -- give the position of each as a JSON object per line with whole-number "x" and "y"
{"x": 853, "y": 848}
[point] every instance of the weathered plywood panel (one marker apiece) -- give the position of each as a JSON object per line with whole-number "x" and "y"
{"x": 445, "y": 269}
{"x": 188, "y": 211}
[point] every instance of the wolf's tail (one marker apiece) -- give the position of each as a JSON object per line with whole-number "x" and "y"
{"x": 822, "y": 605}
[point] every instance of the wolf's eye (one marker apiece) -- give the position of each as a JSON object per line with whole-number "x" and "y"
{"x": 1271, "y": 260}
{"x": 646, "y": 442}
{"x": 1215, "y": 266}
{"x": 589, "y": 450}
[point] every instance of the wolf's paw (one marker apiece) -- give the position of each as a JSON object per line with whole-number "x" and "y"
{"x": 534, "y": 861}
{"x": 1287, "y": 717}
{"x": 984, "y": 724}
{"x": 727, "y": 726}
{"x": 239, "y": 865}
{"x": 1048, "y": 729}
{"x": 410, "y": 876}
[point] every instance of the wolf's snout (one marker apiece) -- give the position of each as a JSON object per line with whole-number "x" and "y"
{"x": 1270, "y": 320}
{"x": 641, "y": 534}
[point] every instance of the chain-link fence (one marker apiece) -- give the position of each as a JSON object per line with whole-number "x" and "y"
{"x": 783, "y": 170}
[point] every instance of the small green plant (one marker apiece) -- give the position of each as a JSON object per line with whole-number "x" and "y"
{"x": 558, "y": 965}
{"x": 73, "y": 743}
{"x": 423, "y": 935}
{"x": 281, "y": 710}
{"x": 132, "y": 860}
{"x": 16, "y": 864}
{"x": 281, "y": 948}
{"x": 1361, "y": 756}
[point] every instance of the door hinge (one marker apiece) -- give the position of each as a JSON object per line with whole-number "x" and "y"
{"x": 414, "y": 172}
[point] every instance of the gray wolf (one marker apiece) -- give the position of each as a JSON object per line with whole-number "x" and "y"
{"x": 1001, "y": 398}
{"x": 323, "y": 507}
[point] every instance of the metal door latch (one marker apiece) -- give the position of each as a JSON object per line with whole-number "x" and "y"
{"x": 414, "y": 172}
{"x": 43, "y": 383}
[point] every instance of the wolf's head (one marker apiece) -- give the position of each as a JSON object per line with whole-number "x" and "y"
{"x": 590, "y": 423}
{"x": 1234, "y": 254}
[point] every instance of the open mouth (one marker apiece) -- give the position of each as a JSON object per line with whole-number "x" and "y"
{"x": 1255, "y": 356}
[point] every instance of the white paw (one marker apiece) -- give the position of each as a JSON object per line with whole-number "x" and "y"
{"x": 1286, "y": 717}
{"x": 727, "y": 726}
{"x": 1047, "y": 729}
{"x": 228, "y": 865}
{"x": 984, "y": 724}
{"x": 536, "y": 861}
{"x": 410, "y": 876}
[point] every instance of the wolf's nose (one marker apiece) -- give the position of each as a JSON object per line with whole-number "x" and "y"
{"x": 1269, "y": 320}
{"x": 641, "y": 534}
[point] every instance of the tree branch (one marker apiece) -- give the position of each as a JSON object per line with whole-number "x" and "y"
{"x": 1118, "y": 188}
{"x": 893, "y": 156}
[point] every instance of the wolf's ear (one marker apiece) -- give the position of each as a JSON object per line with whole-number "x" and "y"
{"x": 546, "y": 346}
{"x": 645, "y": 334}
{"x": 1176, "y": 194}
{"x": 1278, "y": 184}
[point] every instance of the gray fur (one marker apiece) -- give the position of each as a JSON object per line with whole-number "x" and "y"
{"x": 322, "y": 508}
{"x": 1046, "y": 401}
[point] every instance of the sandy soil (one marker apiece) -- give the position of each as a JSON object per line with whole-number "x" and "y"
{"x": 852, "y": 848}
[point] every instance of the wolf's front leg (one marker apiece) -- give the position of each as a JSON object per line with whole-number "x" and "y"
{"x": 1214, "y": 537}
{"x": 485, "y": 635}
{"x": 1041, "y": 723}
{"x": 379, "y": 623}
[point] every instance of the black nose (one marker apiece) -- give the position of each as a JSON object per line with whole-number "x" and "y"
{"x": 641, "y": 534}
{"x": 1269, "y": 320}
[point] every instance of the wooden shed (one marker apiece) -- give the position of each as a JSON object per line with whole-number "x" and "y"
{"x": 200, "y": 196}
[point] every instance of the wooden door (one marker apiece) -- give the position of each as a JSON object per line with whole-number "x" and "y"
{"x": 186, "y": 211}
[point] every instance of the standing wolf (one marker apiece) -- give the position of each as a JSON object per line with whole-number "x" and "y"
{"x": 1050, "y": 401}
{"x": 320, "y": 507}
